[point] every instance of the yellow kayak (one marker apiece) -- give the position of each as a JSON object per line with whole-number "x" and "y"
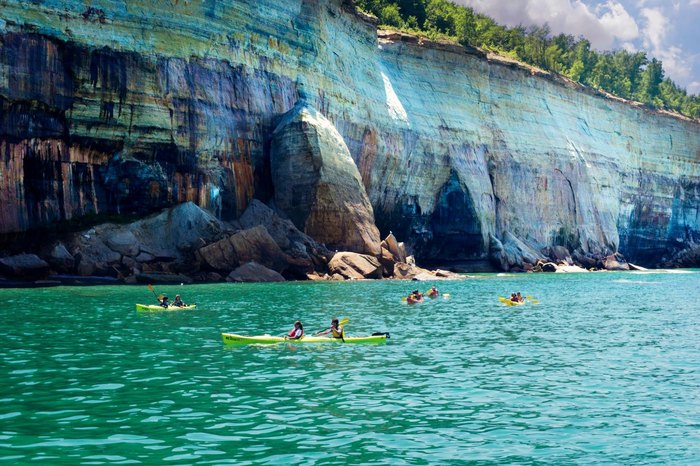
{"x": 155, "y": 307}
{"x": 508, "y": 302}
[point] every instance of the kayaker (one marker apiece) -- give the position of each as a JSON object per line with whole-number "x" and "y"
{"x": 178, "y": 301}
{"x": 433, "y": 293}
{"x": 520, "y": 298}
{"x": 297, "y": 332}
{"x": 514, "y": 298}
{"x": 414, "y": 297}
{"x": 336, "y": 329}
{"x": 164, "y": 302}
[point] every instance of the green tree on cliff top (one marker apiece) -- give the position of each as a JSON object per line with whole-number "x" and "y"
{"x": 621, "y": 73}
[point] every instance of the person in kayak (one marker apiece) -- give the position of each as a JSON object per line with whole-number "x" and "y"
{"x": 297, "y": 332}
{"x": 520, "y": 298}
{"x": 414, "y": 297}
{"x": 514, "y": 298}
{"x": 336, "y": 329}
{"x": 433, "y": 293}
{"x": 178, "y": 301}
{"x": 164, "y": 302}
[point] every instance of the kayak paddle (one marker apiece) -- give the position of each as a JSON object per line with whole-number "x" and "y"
{"x": 158, "y": 297}
{"x": 341, "y": 323}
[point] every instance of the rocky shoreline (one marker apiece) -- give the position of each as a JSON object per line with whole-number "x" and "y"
{"x": 186, "y": 244}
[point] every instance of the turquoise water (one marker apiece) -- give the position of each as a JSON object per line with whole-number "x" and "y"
{"x": 604, "y": 370}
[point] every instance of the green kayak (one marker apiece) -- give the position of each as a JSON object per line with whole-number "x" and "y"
{"x": 233, "y": 339}
{"x": 155, "y": 307}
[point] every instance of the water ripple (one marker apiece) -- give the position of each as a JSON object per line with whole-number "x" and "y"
{"x": 573, "y": 380}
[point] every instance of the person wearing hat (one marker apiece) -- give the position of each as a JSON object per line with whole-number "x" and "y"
{"x": 178, "y": 301}
{"x": 297, "y": 332}
{"x": 164, "y": 302}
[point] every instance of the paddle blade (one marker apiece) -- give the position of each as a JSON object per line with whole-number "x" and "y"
{"x": 344, "y": 321}
{"x": 150, "y": 287}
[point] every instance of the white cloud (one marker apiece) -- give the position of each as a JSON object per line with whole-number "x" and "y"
{"x": 604, "y": 26}
{"x": 607, "y": 24}
{"x": 654, "y": 33}
{"x": 694, "y": 88}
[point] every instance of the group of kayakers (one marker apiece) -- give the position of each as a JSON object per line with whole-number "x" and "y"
{"x": 417, "y": 297}
{"x": 335, "y": 330}
{"x": 517, "y": 297}
{"x": 177, "y": 302}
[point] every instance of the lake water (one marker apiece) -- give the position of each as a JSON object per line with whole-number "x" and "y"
{"x": 604, "y": 370}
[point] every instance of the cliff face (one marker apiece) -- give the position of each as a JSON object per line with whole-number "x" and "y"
{"x": 125, "y": 107}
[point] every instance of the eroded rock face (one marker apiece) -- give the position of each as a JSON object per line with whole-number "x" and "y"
{"x": 451, "y": 148}
{"x": 317, "y": 182}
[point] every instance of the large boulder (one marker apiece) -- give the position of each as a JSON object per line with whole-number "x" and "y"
{"x": 615, "y": 262}
{"x": 164, "y": 242}
{"x": 251, "y": 245}
{"x": 92, "y": 255}
{"x": 318, "y": 184}
{"x": 24, "y": 267}
{"x": 398, "y": 250}
{"x": 254, "y": 272}
{"x": 354, "y": 266}
{"x": 178, "y": 231}
{"x": 124, "y": 242}
{"x": 304, "y": 252}
{"x": 409, "y": 271}
{"x": 60, "y": 259}
{"x": 512, "y": 253}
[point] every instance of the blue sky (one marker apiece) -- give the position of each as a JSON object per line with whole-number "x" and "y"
{"x": 666, "y": 29}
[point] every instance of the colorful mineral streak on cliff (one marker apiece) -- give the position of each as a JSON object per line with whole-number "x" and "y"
{"x": 125, "y": 107}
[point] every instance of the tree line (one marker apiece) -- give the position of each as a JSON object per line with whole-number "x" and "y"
{"x": 630, "y": 75}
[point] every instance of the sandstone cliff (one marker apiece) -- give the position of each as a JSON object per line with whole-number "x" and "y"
{"x": 122, "y": 108}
